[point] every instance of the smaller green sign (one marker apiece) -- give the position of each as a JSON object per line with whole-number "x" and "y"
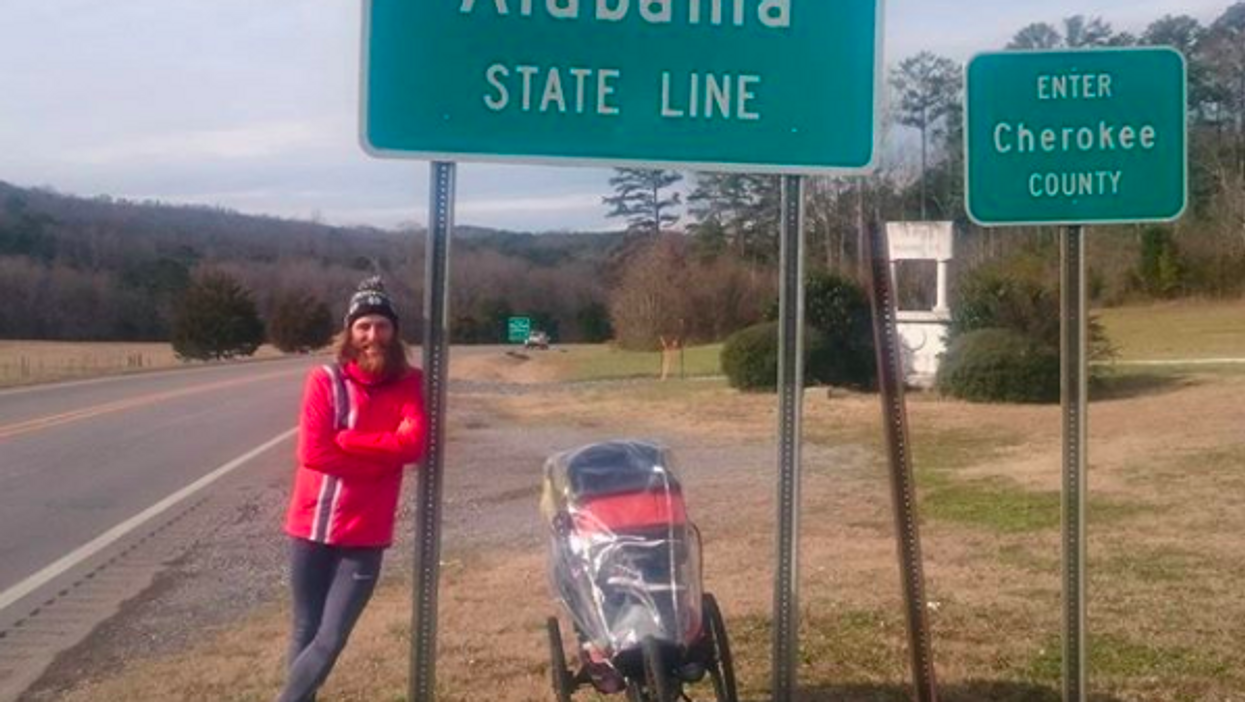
{"x": 1076, "y": 137}
{"x": 519, "y": 328}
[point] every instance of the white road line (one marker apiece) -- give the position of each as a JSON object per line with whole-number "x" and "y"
{"x": 34, "y": 582}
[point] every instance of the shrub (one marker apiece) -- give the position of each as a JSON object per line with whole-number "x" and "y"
{"x": 300, "y": 323}
{"x": 837, "y": 309}
{"x": 1013, "y": 295}
{"x": 1160, "y": 270}
{"x": 594, "y": 323}
{"x": 993, "y": 298}
{"x": 750, "y": 356}
{"x": 1000, "y": 365}
{"x": 216, "y": 318}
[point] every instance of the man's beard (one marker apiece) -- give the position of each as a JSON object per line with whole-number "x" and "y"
{"x": 375, "y": 359}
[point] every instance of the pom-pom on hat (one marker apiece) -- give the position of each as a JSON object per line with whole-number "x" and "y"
{"x": 371, "y": 298}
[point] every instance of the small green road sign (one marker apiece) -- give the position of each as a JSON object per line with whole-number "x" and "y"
{"x": 1076, "y": 137}
{"x": 519, "y": 328}
{"x": 752, "y": 85}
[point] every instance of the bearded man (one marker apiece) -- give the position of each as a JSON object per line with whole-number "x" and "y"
{"x": 362, "y": 422}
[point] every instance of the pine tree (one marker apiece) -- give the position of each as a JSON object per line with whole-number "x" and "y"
{"x": 640, "y": 198}
{"x": 300, "y": 323}
{"x": 928, "y": 87}
{"x": 216, "y": 318}
{"x": 739, "y": 212}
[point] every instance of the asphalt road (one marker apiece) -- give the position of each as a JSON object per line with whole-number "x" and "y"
{"x": 107, "y": 485}
{"x": 78, "y": 459}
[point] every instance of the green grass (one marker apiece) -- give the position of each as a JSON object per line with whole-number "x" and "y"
{"x": 1218, "y": 466}
{"x": 948, "y": 450}
{"x": 1025, "y": 558}
{"x": 1113, "y": 656}
{"x": 1002, "y": 506}
{"x": 849, "y": 643}
{"x": 607, "y": 362}
{"x": 1177, "y": 330}
{"x": 1154, "y": 565}
{"x": 993, "y": 504}
{"x": 997, "y": 504}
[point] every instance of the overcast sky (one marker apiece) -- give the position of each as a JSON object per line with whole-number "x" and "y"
{"x": 252, "y": 105}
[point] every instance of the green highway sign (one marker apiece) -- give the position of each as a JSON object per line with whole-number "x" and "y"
{"x": 777, "y": 86}
{"x": 518, "y": 329}
{"x": 1076, "y": 137}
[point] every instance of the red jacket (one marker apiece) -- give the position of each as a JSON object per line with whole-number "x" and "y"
{"x": 351, "y": 455}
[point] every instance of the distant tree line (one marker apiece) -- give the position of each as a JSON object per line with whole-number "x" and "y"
{"x": 730, "y": 221}
{"x": 103, "y": 269}
{"x": 696, "y": 260}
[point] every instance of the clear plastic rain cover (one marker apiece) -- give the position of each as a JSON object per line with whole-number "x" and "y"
{"x": 624, "y": 559}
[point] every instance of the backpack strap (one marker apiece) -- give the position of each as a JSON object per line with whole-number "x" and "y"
{"x": 341, "y": 399}
{"x": 330, "y": 487}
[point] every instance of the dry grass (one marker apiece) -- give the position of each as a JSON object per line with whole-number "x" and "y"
{"x": 29, "y": 362}
{"x": 1167, "y": 509}
{"x": 1167, "y": 492}
{"x": 501, "y": 364}
{"x": 1177, "y": 330}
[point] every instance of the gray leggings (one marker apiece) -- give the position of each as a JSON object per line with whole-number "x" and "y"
{"x": 331, "y": 586}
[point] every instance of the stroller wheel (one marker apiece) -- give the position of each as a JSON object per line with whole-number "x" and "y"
{"x": 722, "y": 669}
{"x": 558, "y": 672}
{"x": 661, "y": 685}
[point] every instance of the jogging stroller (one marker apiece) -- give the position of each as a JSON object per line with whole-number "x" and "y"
{"x": 625, "y": 564}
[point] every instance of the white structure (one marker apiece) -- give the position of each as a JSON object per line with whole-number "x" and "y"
{"x": 923, "y": 332}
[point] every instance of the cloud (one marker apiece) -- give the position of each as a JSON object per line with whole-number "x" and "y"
{"x": 529, "y": 205}
{"x": 581, "y": 211}
{"x": 941, "y": 26}
{"x": 253, "y": 105}
{"x": 249, "y": 142}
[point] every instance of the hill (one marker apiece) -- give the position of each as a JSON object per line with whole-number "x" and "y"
{"x": 111, "y": 269}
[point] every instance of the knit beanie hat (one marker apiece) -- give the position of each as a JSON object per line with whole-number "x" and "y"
{"x": 371, "y": 298}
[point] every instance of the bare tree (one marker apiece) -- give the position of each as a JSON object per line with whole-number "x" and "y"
{"x": 649, "y": 301}
{"x": 1038, "y": 35}
{"x": 1078, "y": 31}
{"x": 740, "y": 211}
{"x": 1224, "y": 53}
{"x": 1185, "y": 34}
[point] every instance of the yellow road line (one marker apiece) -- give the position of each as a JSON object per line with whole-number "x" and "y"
{"x": 54, "y": 420}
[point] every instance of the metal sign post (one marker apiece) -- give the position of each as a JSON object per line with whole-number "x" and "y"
{"x": 1074, "y": 328}
{"x": 791, "y": 396}
{"x": 1074, "y": 138}
{"x": 422, "y": 682}
{"x": 903, "y": 487}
